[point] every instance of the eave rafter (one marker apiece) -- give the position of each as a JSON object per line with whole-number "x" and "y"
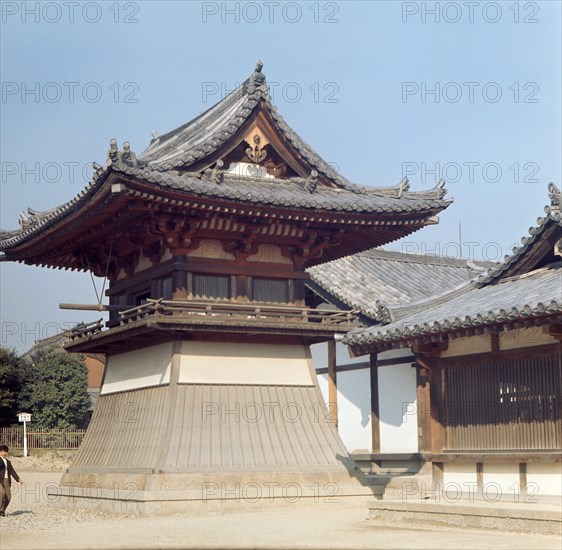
{"x": 424, "y": 337}
{"x": 177, "y": 202}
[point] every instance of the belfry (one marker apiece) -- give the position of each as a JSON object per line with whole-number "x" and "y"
{"x": 209, "y": 388}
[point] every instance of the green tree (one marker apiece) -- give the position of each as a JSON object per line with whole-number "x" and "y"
{"x": 59, "y": 392}
{"x": 9, "y": 386}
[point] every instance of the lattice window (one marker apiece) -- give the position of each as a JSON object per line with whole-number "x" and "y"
{"x": 167, "y": 288}
{"x": 211, "y": 286}
{"x": 503, "y": 405}
{"x": 270, "y": 290}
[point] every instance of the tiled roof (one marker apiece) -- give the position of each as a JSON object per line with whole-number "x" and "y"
{"x": 33, "y": 222}
{"x": 167, "y": 161}
{"x": 526, "y": 288}
{"x": 200, "y": 137}
{"x": 287, "y": 193}
{"x": 266, "y": 192}
{"x": 188, "y": 144}
{"x": 379, "y": 282}
{"x": 530, "y": 296}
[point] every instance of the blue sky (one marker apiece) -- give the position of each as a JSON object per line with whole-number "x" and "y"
{"x": 379, "y": 89}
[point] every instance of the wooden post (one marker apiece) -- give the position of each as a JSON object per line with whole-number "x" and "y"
{"x": 436, "y": 408}
{"x": 332, "y": 383}
{"x": 430, "y": 408}
{"x": 480, "y": 477}
{"x": 375, "y": 420}
{"x": 424, "y": 408}
{"x": 523, "y": 478}
{"x": 430, "y": 401}
{"x": 556, "y": 332}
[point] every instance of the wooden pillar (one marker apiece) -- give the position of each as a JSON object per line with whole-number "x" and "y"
{"x": 332, "y": 383}
{"x": 424, "y": 407}
{"x": 480, "y": 477}
{"x": 556, "y": 332}
{"x": 523, "y": 478}
{"x": 375, "y": 419}
{"x": 436, "y": 410}
{"x": 430, "y": 380}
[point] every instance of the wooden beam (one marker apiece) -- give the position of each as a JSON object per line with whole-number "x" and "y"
{"x": 519, "y": 456}
{"x": 375, "y": 419}
{"x": 508, "y": 354}
{"x": 431, "y": 349}
{"x": 555, "y": 331}
{"x": 332, "y": 383}
{"x": 495, "y": 341}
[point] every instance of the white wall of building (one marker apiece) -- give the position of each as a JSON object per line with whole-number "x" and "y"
{"x": 354, "y": 396}
{"x": 398, "y": 408}
{"x": 545, "y": 479}
{"x": 138, "y": 369}
{"x": 323, "y": 385}
{"x": 354, "y": 409}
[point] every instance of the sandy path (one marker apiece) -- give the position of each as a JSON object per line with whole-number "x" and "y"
{"x": 33, "y": 522}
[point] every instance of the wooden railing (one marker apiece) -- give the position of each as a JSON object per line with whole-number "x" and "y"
{"x": 84, "y": 330}
{"x": 221, "y": 311}
{"x": 41, "y": 439}
{"x": 227, "y": 309}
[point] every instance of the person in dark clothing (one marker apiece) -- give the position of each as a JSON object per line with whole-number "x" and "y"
{"x": 7, "y": 472}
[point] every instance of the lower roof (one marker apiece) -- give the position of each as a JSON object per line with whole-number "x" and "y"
{"x": 379, "y": 282}
{"x": 525, "y": 298}
{"x": 526, "y": 290}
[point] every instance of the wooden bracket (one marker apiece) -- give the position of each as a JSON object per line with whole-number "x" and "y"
{"x": 431, "y": 349}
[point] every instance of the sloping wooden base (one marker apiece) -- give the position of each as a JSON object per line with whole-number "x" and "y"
{"x": 182, "y": 444}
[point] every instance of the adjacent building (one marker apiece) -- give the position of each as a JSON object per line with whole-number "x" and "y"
{"x": 486, "y": 359}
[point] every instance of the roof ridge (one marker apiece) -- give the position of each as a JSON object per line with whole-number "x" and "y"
{"x": 402, "y": 311}
{"x": 413, "y": 257}
{"x": 553, "y": 214}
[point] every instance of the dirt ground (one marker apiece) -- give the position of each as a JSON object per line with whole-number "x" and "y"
{"x": 34, "y": 522}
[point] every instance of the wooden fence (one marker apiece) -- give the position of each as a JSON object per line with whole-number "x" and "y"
{"x": 41, "y": 439}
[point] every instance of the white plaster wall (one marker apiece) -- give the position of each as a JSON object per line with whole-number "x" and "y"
{"x": 468, "y": 346}
{"x": 323, "y": 385}
{"x": 354, "y": 409}
{"x": 522, "y": 338}
{"x": 343, "y": 357}
{"x": 247, "y": 364}
{"x": 458, "y": 476}
{"x": 209, "y": 248}
{"x": 138, "y": 369}
{"x": 269, "y": 253}
{"x": 319, "y": 354}
{"x": 144, "y": 263}
{"x": 398, "y": 409}
{"x": 502, "y": 474}
{"x": 546, "y": 477}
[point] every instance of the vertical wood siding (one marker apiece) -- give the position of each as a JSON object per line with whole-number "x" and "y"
{"x": 504, "y": 405}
